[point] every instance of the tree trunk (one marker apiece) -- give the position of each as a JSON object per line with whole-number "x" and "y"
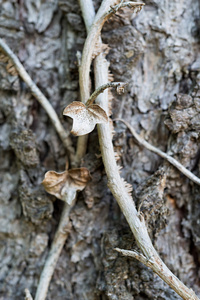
{"x": 157, "y": 53}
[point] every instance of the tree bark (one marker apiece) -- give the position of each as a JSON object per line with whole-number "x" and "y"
{"x": 157, "y": 53}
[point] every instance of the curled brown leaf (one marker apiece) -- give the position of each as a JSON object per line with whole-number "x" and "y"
{"x": 85, "y": 117}
{"x": 65, "y": 185}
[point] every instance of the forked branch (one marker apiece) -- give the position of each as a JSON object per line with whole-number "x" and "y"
{"x": 174, "y": 282}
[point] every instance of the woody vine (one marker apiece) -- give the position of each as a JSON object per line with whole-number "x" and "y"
{"x": 86, "y": 114}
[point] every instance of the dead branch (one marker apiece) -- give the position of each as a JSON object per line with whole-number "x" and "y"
{"x": 136, "y": 255}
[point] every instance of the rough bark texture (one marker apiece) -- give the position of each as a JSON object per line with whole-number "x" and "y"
{"x": 156, "y": 52}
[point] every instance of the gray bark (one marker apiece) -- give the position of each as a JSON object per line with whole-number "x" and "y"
{"x": 157, "y": 53}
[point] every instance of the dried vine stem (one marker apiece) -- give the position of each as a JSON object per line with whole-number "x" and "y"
{"x": 105, "y": 11}
{"x": 88, "y": 14}
{"x": 92, "y": 38}
{"x": 40, "y": 97}
{"x": 170, "y": 159}
{"x": 149, "y": 263}
{"x": 137, "y": 255}
{"x": 63, "y": 228}
{"x": 56, "y": 247}
{"x": 125, "y": 201}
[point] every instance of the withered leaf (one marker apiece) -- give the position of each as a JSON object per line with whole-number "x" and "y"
{"x": 65, "y": 185}
{"x": 85, "y": 117}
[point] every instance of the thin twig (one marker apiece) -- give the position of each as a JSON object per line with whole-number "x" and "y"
{"x": 136, "y": 255}
{"x": 125, "y": 201}
{"x": 88, "y": 13}
{"x": 40, "y": 97}
{"x": 56, "y": 248}
{"x": 173, "y": 281}
{"x": 118, "y": 85}
{"x": 170, "y": 159}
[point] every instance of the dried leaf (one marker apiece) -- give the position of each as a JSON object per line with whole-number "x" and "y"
{"x": 80, "y": 176}
{"x": 54, "y": 182}
{"x": 65, "y": 185}
{"x": 85, "y": 117}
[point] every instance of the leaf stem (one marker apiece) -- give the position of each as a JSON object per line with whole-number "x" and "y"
{"x": 118, "y": 85}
